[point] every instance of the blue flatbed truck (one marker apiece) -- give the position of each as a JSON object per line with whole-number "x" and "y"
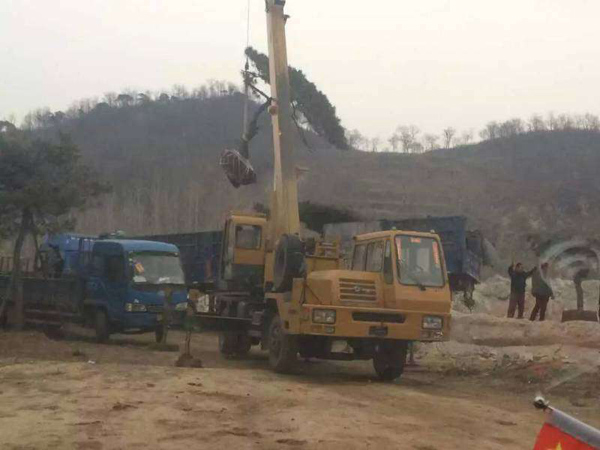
{"x": 111, "y": 285}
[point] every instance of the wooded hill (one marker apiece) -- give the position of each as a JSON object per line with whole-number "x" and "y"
{"x": 162, "y": 157}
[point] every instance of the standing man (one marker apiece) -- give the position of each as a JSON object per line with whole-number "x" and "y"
{"x": 518, "y": 281}
{"x": 541, "y": 290}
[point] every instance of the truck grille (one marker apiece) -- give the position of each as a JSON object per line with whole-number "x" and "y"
{"x": 155, "y": 308}
{"x": 378, "y": 317}
{"x": 357, "y": 290}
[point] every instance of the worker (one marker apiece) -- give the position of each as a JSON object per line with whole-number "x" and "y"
{"x": 541, "y": 290}
{"x": 518, "y": 281}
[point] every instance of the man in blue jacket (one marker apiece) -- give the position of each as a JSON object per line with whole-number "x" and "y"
{"x": 518, "y": 281}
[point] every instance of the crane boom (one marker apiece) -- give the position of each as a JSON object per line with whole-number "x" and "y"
{"x": 284, "y": 203}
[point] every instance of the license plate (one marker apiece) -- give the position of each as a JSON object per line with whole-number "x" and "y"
{"x": 159, "y": 317}
{"x": 378, "y": 331}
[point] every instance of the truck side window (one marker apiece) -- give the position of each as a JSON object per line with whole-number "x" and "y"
{"x": 248, "y": 236}
{"x": 375, "y": 257}
{"x": 115, "y": 268}
{"x": 358, "y": 260}
{"x": 388, "y": 273}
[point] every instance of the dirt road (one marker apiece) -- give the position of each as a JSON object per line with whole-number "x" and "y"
{"x": 77, "y": 394}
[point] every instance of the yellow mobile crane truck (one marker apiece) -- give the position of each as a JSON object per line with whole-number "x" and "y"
{"x": 292, "y": 296}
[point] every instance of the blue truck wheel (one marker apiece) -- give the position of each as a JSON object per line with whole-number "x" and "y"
{"x": 102, "y": 326}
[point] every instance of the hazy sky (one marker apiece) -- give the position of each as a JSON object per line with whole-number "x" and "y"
{"x": 432, "y": 63}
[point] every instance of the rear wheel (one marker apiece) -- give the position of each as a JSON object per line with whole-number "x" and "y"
{"x": 234, "y": 344}
{"x": 389, "y": 359}
{"x": 283, "y": 347}
{"x": 102, "y": 326}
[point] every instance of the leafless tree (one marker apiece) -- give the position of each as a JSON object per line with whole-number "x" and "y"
{"x": 408, "y": 136}
{"x": 394, "y": 140}
{"x": 591, "y": 122}
{"x": 536, "y": 123}
{"x": 491, "y": 131}
{"x": 448, "y": 135}
{"x": 565, "y": 122}
{"x": 356, "y": 139}
{"x": 430, "y": 141}
{"x": 466, "y": 137}
{"x": 375, "y": 144}
{"x": 552, "y": 122}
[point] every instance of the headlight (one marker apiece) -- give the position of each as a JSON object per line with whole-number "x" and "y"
{"x": 135, "y": 307}
{"x": 203, "y": 304}
{"x": 323, "y": 316}
{"x": 432, "y": 323}
{"x": 181, "y": 306}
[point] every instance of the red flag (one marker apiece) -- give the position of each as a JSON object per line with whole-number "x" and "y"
{"x": 563, "y": 432}
{"x": 552, "y": 438}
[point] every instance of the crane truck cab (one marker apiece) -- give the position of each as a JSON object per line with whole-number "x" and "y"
{"x": 242, "y": 265}
{"x": 396, "y": 291}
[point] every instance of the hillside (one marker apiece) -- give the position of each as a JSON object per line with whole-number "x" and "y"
{"x": 162, "y": 157}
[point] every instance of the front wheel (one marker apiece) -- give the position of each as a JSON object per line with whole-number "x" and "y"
{"x": 283, "y": 347}
{"x": 102, "y": 326}
{"x": 389, "y": 360}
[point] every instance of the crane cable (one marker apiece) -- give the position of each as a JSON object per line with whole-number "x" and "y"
{"x": 246, "y": 69}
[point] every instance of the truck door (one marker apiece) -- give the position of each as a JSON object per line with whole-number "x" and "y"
{"x": 108, "y": 282}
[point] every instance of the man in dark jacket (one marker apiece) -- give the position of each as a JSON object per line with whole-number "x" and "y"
{"x": 541, "y": 290}
{"x": 518, "y": 281}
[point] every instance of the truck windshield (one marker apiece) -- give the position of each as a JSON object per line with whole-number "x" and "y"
{"x": 156, "y": 268}
{"x": 419, "y": 261}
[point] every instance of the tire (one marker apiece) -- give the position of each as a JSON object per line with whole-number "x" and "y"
{"x": 102, "y": 326}
{"x": 234, "y": 344}
{"x": 158, "y": 334}
{"x": 389, "y": 359}
{"x": 288, "y": 263}
{"x": 283, "y": 347}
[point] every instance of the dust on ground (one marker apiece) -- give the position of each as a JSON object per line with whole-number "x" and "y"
{"x": 474, "y": 391}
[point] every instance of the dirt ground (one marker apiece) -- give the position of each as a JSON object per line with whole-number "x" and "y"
{"x": 76, "y": 394}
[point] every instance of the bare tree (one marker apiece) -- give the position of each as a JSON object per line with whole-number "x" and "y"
{"x": 417, "y": 147}
{"x": 565, "y": 122}
{"x": 394, "y": 140}
{"x": 356, "y": 140}
{"x": 430, "y": 141}
{"x": 466, "y": 137}
{"x": 491, "y": 131}
{"x": 536, "y": 123}
{"x": 448, "y": 135}
{"x": 552, "y": 122}
{"x": 592, "y": 123}
{"x": 110, "y": 98}
{"x": 408, "y": 136}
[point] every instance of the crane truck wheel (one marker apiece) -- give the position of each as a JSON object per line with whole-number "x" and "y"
{"x": 283, "y": 347}
{"x": 389, "y": 359}
{"x": 289, "y": 261}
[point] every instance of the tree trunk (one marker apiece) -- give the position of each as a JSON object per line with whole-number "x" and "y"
{"x": 16, "y": 281}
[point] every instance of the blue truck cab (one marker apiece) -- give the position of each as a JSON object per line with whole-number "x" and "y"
{"x": 126, "y": 284}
